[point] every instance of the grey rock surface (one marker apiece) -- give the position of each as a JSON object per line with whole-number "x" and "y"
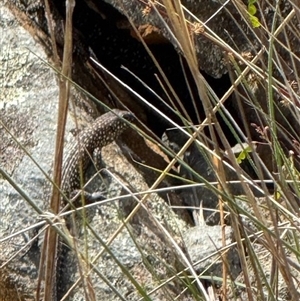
{"x": 29, "y": 109}
{"x": 198, "y": 168}
{"x": 265, "y": 259}
{"x": 28, "y": 102}
{"x": 235, "y": 30}
{"x": 202, "y": 241}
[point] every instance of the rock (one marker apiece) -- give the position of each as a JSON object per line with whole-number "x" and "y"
{"x": 28, "y": 103}
{"x": 202, "y": 241}
{"x": 199, "y": 169}
{"x": 239, "y": 34}
{"x": 266, "y": 262}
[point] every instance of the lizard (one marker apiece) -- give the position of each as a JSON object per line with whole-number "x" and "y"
{"x": 104, "y": 130}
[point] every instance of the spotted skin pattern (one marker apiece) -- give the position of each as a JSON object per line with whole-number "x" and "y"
{"x": 104, "y": 130}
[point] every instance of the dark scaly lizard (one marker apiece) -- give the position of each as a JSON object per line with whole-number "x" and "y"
{"x": 104, "y": 130}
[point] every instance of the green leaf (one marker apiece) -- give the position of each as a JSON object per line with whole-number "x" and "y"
{"x": 254, "y": 21}
{"x": 252, "y": 9}
{"x": 243, "y": 155}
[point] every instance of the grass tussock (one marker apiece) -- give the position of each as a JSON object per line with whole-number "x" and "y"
{"x": 268, "y": 251}
{"x": 265, "y": 228}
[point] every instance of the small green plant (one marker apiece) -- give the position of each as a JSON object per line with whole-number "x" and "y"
{"x": 252, "y": 11}
{"x": 243, "y": 154}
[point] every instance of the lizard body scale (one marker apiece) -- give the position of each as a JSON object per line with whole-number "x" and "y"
{"x": 104, "y": 130}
